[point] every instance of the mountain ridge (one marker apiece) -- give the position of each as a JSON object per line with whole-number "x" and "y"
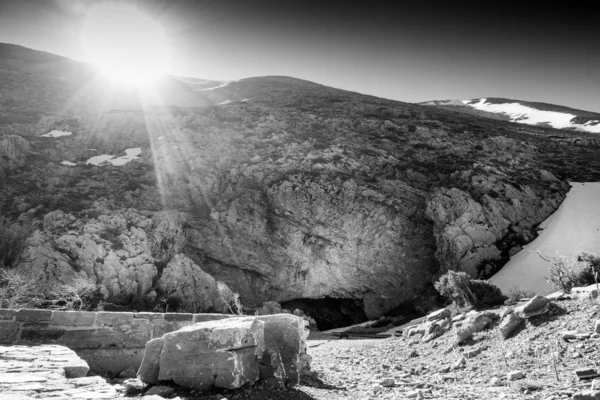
{"x": 281, "y": 188}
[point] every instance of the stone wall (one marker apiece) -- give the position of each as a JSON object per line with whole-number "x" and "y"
{"x": 110, "y": 342}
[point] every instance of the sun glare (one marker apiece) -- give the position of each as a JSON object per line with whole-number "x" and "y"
{"x": 126, "y": 44}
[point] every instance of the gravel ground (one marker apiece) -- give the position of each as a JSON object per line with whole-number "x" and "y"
{"x": 398, "y": 367}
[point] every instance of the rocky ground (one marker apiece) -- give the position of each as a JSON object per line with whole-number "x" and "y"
{"x": 399, "y": 367}
{"x": 538, "y": 361}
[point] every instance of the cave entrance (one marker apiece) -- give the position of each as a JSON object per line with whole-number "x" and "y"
{"x": 328, "y": 312}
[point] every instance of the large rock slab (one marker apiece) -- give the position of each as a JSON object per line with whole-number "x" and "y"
{"x": 46, "y": 371}
{"x": 285, "y": 349}
{"x": 222, "y": 354}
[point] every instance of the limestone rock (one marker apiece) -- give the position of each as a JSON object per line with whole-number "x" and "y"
{"x": 587, "y": 395}
{"x": 515, "y": 375}
{"x": 168, "y": 234}
{"x": 195, "y": 290}
{"x": 475, "y": 323}
{"x": 509, "y": 323}
{"x": 535, "y": 306}
{"x": 588, "y": 293}
{"x": 439, "y": 314}
{"x": 221, "y": 354}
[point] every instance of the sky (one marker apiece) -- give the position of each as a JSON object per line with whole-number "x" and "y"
{"x": 408, "y": 52}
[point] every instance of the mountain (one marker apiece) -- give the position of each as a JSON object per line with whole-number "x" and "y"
{"x": 344, "y": 205}
{"x": 525, "y": 112}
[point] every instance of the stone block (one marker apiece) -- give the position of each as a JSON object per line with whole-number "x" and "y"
{"x": 31, "y": 315}
{"x": 284, "y": 344}
{"x": 36, "y": 334}
{"x": 211, "y": 317}
{"x": 150, "y": 316}
{"x": 113, "y": 318}
{"x": 73, "y": 318}
{"x": 7, "y": 315}
{"x": 161, "y": 327}
{"x": 8, "y": 332}
{"x": 222, "y": 354}
{"x": 170, "y": 317}
{"x": 138, "y": 338}
{"x": 94, "y": 338}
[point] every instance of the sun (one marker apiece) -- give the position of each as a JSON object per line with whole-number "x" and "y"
{"x": 125, "y": 43}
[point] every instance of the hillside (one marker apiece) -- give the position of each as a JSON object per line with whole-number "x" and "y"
{"x": 280, "y": 188}
{"x": 525, "y": 112}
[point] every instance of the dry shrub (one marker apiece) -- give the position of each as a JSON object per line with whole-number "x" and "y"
{"x": 463, "y": 291}
{"x": 17, "y": 290}
{"x": 565, "y": 273}
{"x": 517, "y": 293}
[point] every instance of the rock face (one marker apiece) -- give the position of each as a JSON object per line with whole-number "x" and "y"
{"x": 194, "y": 289}
{"x": 290, "y": 191}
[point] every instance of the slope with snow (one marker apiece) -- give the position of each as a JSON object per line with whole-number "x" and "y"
{"x": 523, "y": 114}
{"x": 573, "y": 228}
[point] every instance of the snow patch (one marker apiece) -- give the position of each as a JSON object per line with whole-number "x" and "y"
{"x": 56, "y": 133}
{"x": 531, "y": 116}
{"x": 213, "y": 88}
{"x": 247, "y": 99}
{"x": 130, "y": 154}
{"x": 574, "y": 227}
{"x": 224, "y": 102}
{"x": 69, "y": 163}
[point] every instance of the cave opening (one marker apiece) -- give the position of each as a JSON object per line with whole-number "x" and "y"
{"x": 328, "y": 312}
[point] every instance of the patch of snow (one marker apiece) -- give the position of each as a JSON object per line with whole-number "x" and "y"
{"x": 213, "y": 88}
{"x": 56, "y": 133}
{"x": 573, "y": 228}
{"x": 224, "y": 102}
{"x": 522, "y": 114}
{"x": 247, "y": 99}
{"x": 68, "y": 163}
{"x": 130, "y": 154}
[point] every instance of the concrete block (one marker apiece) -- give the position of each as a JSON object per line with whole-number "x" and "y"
{"x": 31, "y": 315}
{"x": 73, "y": 318}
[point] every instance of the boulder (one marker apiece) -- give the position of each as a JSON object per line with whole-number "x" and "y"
{"x": 509, "y": 323}
{"x": 536, "y": 306}
{"x": 439, "y": 314}
{"x": 285, "y": 349}
{"x": 195, "y": 290}
{"x": 474, "y": 323}
{"x": 588, "y": 293}
{"x": 213, "y": 354}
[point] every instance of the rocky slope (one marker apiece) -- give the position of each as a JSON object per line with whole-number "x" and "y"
{"x": 281, "y": 189}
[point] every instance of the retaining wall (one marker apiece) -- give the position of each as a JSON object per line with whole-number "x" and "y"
{"x": 110, "y": 342}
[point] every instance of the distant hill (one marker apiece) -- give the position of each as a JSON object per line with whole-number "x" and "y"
{"x": 525, "y": 112}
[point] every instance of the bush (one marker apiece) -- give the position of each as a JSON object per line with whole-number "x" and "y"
{"x": 19, "y": 291}
{"x": 517, "y": 293}
{"x": 464, "y": 291}
{"x": 565, "y": 273}
{"x": 12, "y": 241}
